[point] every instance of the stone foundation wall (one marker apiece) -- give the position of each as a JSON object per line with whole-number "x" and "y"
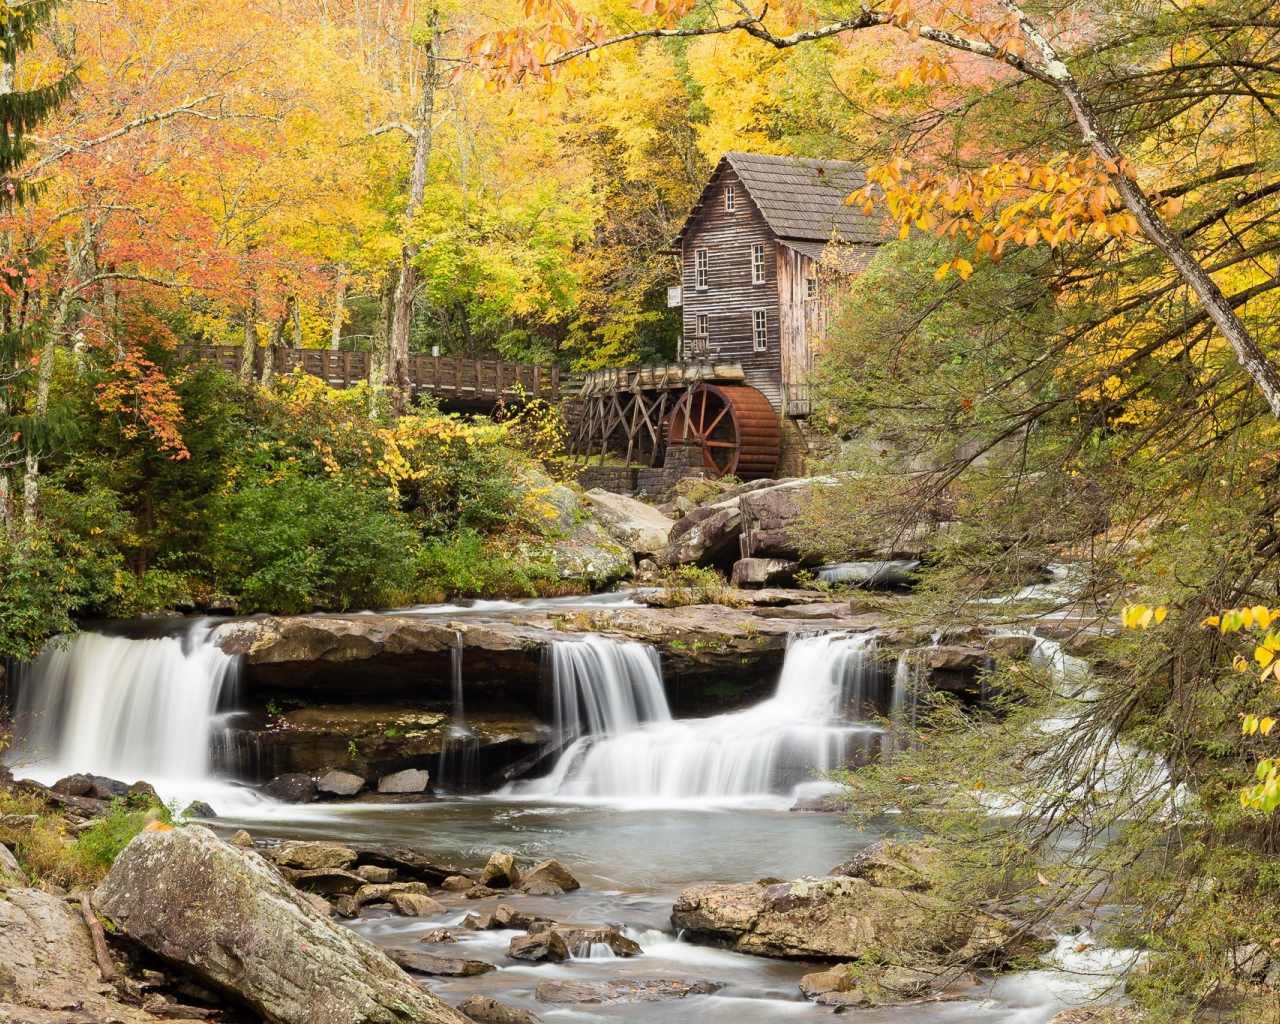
{"x": 617, "y": 479}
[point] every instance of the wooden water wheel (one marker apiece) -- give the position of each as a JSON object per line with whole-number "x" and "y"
{"x": 734, "y": 425}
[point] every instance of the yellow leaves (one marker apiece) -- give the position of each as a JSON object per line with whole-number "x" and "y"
{"x": 1139, "y": 616}
{"x": 961, "y": 266}
{"x": 1252, "y": 725}
{"x": 1265, "y": 796}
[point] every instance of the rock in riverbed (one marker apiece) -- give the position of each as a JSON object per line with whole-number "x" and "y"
{"x": 226, "y": 918}
{"x": 500, "y": 872}
{"x": 887, "y": 864}
{"x": 838, "y": 917}
{"x": 337, "y": 783}
{"x": 544, "y": 947}
{"x": 411, "y": 780}
{"x": 649, "y": 990}
{"x": 422, "y": 962}
{"x": 291, "y": 788}
{"x": 547, "y": 878}
{"x": 490, "y": 1011}
{"x": 307, "y": 856}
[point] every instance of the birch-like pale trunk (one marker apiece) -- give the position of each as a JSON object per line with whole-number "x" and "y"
{"x": 339, "y": 310}
{"x": 407, "y": 284}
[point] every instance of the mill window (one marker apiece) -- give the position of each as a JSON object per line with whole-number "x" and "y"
{"x": 700, "y": 268}
{"x": 761, "y": 330}
{"x": 700, "y": 331}
{"x": 757, "y": 264}
{"x": 810, "y": 287}
{"x": 730, "y": 199}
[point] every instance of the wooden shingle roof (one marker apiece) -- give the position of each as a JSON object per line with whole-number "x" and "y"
{"x": 799, "y": 199}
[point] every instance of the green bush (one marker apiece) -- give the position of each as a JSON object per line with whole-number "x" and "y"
{"x": 291, "y": 544}
{"x": 467, "y": 564}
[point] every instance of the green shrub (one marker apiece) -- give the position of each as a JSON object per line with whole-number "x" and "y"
{"x": 468, "y": 564}
{"x": 290, "y": 544}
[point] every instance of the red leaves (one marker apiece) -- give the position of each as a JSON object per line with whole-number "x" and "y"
{"x": 141, "y": 393}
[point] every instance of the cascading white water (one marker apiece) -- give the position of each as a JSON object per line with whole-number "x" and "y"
{"x": 127, "y": 709}
{"x": 634, "y": 751}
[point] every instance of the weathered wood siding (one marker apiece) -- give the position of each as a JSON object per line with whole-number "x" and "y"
{"x": 730, "y": 298}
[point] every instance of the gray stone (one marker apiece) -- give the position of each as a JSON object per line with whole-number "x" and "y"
{"x": 143, "y": 791}
{"x": 580, "y": 939}
{"x": 648, "y": 990}
{"x": 242, "y": 839}
{"x": 414, "y": 904}
{"x": 704, "y": 536}
{"x": 222, "y": 604}
{"x": 375, "y": 875}
{"x": 547, "y": 878}
{"x": 11, "y": 873}
{"x": 224, "y": 916}
{"x": 421, "y": 962}
{"x": 340, "y": 783}
{"x": 73, "y": 785}
{"x": 544, "y": 947}
{"x": 292, "y": 788}
{"x": 760, "y": 572}
{"x": 490, "y": 1011}
{"x": 305, "y": 856}
{"x": 833, "y": 917}
{"x": 500, "y": 872}
{"x": 199, "y": 809}
{"x": 377, "y": 893}
{"x": 408, "y": 863}
{"x": 887, "y": 573}
{"x": 48, "y": 974}
{"x": 411, "y": 780}
{"x": 639, "y": 527}
{"x": 912, "y": 866}
{"x": 329, "y": 881}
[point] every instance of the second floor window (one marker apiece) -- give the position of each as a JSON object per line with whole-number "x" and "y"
{"x": 810, "y": 287}
{"x": 760, "y": 330}
{"x": 730, "y": 199}
{"x": 700, "y": 268}
{"x": 757, "y": 264}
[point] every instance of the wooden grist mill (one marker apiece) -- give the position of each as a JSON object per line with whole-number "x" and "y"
{"x": 703, "y": 413}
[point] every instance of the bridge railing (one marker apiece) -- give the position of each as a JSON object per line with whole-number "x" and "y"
{"x": 446, "y": 377}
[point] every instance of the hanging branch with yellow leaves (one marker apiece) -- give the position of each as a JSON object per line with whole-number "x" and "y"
{"x": 1263, "y": 659}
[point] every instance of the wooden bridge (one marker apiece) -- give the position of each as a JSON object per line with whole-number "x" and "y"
{"x": 461, "y": 383}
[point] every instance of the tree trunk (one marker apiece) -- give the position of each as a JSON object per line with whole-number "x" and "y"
{"x": 407, "y": 284}
{"x": 273, "y": 343}
{"x": 339, "y": 310}
{"x": 380, "y": 345}
{"x": 296, "y": 313}
{"x": 250, "y": 341}
{"x": 44, "y": 382}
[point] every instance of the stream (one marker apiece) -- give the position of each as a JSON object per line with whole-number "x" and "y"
{"x": 636, "y": 803}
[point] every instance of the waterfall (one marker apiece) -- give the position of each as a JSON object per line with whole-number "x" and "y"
{"x": 458, "y": 767}
{"x": 631, "y": 749}
{"x": 127, "y": 709}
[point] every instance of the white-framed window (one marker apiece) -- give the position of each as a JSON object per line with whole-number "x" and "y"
{"x": 757, "y": 264}
{"x": 810, "y": 287}
{"x": 701, "y": 328}
{"x": 759, "y": 330}
{"x": 730, "y": 199}
{"x": 700, "y": 268}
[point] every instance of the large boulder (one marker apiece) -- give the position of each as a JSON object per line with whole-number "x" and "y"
{"x": 707, "y": 535}
{"x": 832, "y": 917}
{"x": 760, "y": 572}
{"x": 625, "y": 990}
{"x": 223, "y": 916}
{"x": 639, "y": 527}
{"x": 307, "y": 856}
{"x": 11, "y": 873}
{"x": 490, "y": 1011}
{"x": 411, "y": 780}
{"x": 770, "y": 521}
{"x": 581, "y": 549}
{"x": 501, "y": 871}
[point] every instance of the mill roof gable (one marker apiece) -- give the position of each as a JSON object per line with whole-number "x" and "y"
{"x": 799, "y": 199}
